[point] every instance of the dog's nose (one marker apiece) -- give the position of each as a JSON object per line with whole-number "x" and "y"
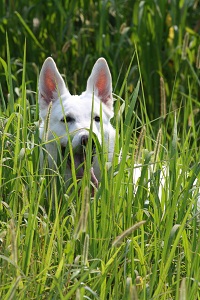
{"x": 84, "y": 140}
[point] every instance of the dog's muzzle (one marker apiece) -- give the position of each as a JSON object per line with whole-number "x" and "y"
{"x": 79, "y": 157}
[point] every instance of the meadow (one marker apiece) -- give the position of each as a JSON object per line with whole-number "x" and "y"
{"x": 130, "y": 240}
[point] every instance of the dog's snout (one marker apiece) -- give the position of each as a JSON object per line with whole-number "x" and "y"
{"x": 84, "y": 140}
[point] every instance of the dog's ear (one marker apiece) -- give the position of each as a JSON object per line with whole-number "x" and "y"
{"x": 100, "y": 82}
{"x": 51, "y": 83}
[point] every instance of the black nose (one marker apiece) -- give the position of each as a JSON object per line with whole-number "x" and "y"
{"x": 84, "y": 140}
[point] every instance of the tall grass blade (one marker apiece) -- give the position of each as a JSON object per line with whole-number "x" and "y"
{"x": 29, "y": 31}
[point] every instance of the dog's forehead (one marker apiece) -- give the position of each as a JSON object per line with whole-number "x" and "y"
{"x": 81, "y": 104}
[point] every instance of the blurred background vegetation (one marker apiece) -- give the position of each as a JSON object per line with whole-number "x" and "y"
{"x": 164, "y": 33}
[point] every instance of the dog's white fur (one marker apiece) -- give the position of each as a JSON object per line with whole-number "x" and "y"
{"x": 76, "y": 112}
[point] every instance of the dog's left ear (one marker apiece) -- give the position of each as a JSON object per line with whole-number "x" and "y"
{"x": 51, "y": 83}
{"x": 100, "y": 82}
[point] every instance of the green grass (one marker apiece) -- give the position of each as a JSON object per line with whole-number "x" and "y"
{"x": 126, "y": 242}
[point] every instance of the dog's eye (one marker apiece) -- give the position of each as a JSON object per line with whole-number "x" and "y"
{"x": 97, "y": 119}
{"x": 67, "y": 119}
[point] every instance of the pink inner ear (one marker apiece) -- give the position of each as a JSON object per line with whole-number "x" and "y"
{"x": 49, "y": 83}
{"x": 101, "y": 84}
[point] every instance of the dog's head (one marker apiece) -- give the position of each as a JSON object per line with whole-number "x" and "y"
{"x": 75, "y": 116}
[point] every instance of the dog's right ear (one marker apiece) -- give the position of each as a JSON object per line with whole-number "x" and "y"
{"x": 51, "y": 83}
{"x": 100, "y": 82}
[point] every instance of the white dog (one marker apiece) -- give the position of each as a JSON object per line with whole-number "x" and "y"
{"x": 67, "y": 116}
